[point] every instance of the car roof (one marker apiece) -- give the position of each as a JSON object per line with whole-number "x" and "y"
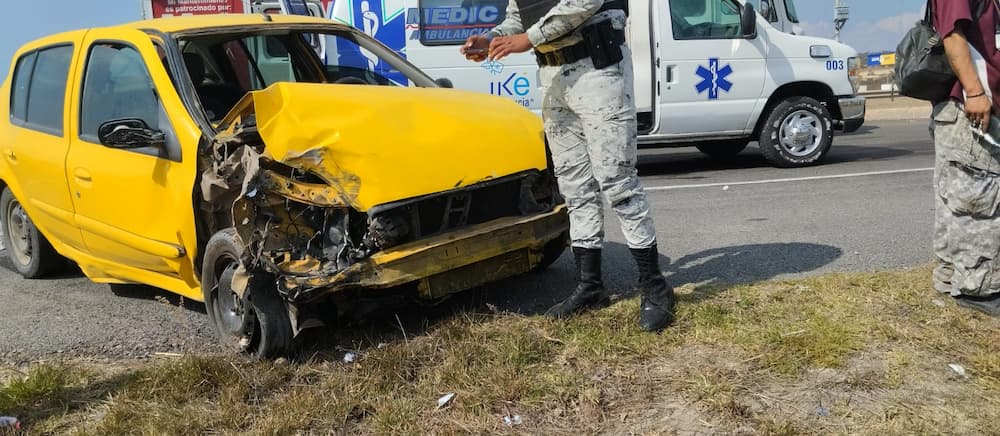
{"x": 195, "y": 22}
{"x": 183, "y": 24}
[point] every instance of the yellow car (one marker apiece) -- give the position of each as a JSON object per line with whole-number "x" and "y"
{"x": 266, "y": 165}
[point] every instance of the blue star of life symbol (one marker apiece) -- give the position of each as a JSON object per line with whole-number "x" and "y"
{"x": 713, "y": 78}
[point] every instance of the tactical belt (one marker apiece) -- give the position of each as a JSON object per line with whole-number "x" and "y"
{"x": 580, "y": 50}
{"x": 570, "y": 54}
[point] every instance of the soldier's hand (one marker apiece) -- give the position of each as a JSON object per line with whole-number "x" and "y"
{"x": 978, "y": 110}
{"x": 476, "y": 48}
{"x": 502, "y": 46}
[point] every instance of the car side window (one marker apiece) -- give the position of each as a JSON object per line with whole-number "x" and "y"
{"x": 39, "y": 89}
{"x": 446, "y": 22}
{"x": 116, "y": 85}
{"x": 705, "y": 19}
{"x": 19, "y": 89}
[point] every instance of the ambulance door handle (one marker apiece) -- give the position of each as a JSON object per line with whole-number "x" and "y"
{"x": 672, "y": 74}
{"x": 10, "y": 155}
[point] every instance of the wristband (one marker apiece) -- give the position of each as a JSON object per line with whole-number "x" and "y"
{"x": 981, "y": 94}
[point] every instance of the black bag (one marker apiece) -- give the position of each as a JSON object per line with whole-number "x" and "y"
{"x": 922, "y": 68}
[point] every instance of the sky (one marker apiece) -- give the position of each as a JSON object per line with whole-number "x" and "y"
{"x": 875, "y": 25}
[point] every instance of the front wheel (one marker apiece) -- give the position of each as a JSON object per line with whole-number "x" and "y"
{"x": 254, "y": 321}
{"x": 798, "y": 132}
{"x": 29, "y": 251}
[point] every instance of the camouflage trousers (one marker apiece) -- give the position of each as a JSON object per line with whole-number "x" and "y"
{"x": 590, "y": 123}
{"x": 967, "y": 196}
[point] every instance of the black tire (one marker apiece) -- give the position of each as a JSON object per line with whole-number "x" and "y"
{"x": 258, "y": 324}
{"x": 33, "y": 255}
{"x": 552, "y": 251}
{"x": 723, "y": 149}
{"x": 814, "y": 146}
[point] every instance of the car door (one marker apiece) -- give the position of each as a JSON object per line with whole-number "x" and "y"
{"x": 713, "y": 76}
{"x": 133, "y": 205}
{"x": 36, "y": 150}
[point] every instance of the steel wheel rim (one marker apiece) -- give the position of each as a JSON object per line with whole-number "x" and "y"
{"x": 231, "y": 312}
{"x": 19, "y": 233}
{"x": 801, "y": 133}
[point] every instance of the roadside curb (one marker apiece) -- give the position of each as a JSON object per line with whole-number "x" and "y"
{"x": 922, "y": 112}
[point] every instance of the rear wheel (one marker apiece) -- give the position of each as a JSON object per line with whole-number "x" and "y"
{"x": 254, "y": 321}
{"x": 798, "y": 132}
{"x": 723, "y": 149}
{"x": 29, "y": 251}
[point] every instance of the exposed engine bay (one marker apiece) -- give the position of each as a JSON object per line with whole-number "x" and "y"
{"x": 301, "y": 230}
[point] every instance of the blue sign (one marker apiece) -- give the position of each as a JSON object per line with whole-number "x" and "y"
{"x": 713, "y": 78}
{"x": 453, "y": 24}
{"x": 295, "y": 7}
{"x": 385, "y": 25}
{"x": 875, "y": 59}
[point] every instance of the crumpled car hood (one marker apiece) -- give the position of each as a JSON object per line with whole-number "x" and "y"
{"x": 379, "y": 144}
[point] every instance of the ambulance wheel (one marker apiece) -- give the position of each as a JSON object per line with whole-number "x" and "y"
{"x": 255, "y": 322}
{"x": 723, "y": 149}
{"x": 798, "y": 132}
{"x": 32, "y": 255}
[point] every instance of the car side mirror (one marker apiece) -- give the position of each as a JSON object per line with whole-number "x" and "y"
{"x": 444, "y": 82}
{"x": 129, "y": 133}
{"x": 748, "y": 22}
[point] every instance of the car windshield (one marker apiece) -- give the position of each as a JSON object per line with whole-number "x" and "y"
{"x": 224, "y": 67}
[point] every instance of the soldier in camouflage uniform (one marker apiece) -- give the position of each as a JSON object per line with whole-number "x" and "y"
{"x": 590, "y": 123}
{"x": 967, "y": 167}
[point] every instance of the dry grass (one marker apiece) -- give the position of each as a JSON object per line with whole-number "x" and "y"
{"x": 844, "y": 353}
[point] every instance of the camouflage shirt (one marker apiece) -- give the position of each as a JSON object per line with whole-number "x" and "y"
{"x": 560, "y": 27}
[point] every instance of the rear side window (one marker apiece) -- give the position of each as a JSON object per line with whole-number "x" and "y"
{"x": 19, "y": 89}
{"x": 449, "y": 22}
{"x": 38, "y": 94}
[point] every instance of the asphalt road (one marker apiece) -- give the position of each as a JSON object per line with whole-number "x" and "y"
{"x": 867, "y": 208}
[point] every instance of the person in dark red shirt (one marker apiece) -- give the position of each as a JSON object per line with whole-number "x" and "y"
{"x": 967, "y": 167}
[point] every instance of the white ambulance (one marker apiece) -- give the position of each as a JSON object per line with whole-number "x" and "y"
{"x": 712, "y": 74}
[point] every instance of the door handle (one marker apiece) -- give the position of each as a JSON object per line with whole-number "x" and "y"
{"x": 671, "y": 74}
{"x": 82, "y": 174}
{"x": 10, "y": 155}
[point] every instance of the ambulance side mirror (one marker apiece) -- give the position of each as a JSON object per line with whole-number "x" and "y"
{"x": 444, "y": 82}
{"x": 748, "y": 21}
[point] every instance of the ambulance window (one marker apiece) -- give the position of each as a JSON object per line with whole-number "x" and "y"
{"x": 705, "y": 19}
{"x": 793, "y": 15}
{"x": 451, "y": 22}
{"x": 772, "y": 15}
{"x": 47, "y": 91}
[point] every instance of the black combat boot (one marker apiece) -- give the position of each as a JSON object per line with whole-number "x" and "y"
{"x": 657, "y": 298}
{"x": 589, "y": 289}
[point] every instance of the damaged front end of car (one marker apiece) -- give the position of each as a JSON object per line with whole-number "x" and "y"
{"x": 314, "y": 224}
